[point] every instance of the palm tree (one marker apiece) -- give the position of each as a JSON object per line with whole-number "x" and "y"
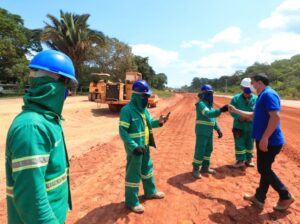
{"x": 71, "y": 35}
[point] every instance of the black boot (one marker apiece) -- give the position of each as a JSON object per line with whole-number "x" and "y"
{"x": 206, "y": 169}
{"x": 196, "y": 173}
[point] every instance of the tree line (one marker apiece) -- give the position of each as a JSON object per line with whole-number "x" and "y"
{"x": 284, "y": 76}
{"x": 90, "y": 50}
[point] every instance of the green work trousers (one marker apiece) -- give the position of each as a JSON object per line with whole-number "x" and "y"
{"x": 243, "y": 146}
{"x": 137, "y": 168}
{"x": 203, "y": 150}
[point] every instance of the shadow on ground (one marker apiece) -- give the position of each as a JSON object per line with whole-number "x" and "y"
{"x": 106, "y": 214}
{"x": 228, "y": 171}
{"x": 109, "y": 214}
{"x": 98, "y": 112}
{"x": 231, "y": 214}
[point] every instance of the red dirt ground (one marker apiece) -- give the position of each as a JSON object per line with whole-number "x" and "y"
{"x": 97, "y": 175}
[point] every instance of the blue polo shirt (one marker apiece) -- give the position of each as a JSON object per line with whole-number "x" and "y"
{"x": 267, "y": 101}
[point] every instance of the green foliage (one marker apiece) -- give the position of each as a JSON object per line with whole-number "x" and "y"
{"x": 71, "y": 35}
{"x": 144, "y": 68}
{"x": 163, "y": 93}
{"x": 16, "y": 42}
{"x": 157, "y": 81}
{"x": 86, "y": 77}
{"x": 284, "y": 76}
{"x": 115, "y": 58}
{"x": 89, "y": 50}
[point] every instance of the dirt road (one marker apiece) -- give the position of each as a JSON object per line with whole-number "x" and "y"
{"x": 98, "y": 168}
{"x": 84, "y": 124}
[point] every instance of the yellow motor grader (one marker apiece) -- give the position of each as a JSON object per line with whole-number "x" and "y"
{"x": 117, "y": 94}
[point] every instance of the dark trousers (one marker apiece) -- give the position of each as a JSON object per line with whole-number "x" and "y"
{"x": 267, "y": 175}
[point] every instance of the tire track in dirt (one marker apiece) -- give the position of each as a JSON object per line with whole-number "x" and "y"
{"x": 115, "y": 187}
{"x": 213, "y": 199}
{"x": 97, "y": 179}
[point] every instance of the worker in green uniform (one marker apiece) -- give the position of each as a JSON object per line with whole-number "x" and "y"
{"x": 135, "y": 129}
{"x": 37, "y": 166}
{"x": 205, "y": 124}
{"x": 242, "y": 127}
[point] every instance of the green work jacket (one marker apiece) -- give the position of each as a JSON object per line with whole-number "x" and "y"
{"x": 132, "y": 127}
{"x": 239, "y": 102}
{"x": 205, "y": 119}
{"x": 37, "y": 170}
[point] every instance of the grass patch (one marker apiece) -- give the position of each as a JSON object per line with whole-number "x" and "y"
{"x": 163, "y": 93}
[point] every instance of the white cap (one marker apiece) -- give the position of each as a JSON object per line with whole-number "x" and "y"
{"x": 246, "y": 82}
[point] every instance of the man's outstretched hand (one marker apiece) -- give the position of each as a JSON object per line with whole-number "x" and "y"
{"x": 224, "y": 108}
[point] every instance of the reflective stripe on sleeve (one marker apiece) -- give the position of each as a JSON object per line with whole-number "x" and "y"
{"x": 124, "y": 124}
{"x": 50, "y": 185}
{"x": 29, "y": 162}
{"x": 204, "y": 110}
{"x": 56, "y": 182}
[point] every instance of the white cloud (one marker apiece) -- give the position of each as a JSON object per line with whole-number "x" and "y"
{"x": 282, "y": 45}
{"x": 230, "y": 35}
{"x": 199, "y": 43}
{"x": 158, "y": 58}
{"x": 284, "y": 15}
{"x": 180, "y": 72}
{"x": 289, "y": 5}
{"x": 279, "y": 46}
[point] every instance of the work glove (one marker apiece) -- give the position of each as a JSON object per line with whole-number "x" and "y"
{"x": 224, "y": 108}
{"x": 220, "y": 134}
{"x": 138, "y": 151}
{"x": 163, "y": 119}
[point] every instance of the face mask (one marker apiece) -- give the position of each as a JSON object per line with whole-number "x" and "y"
{"x": 247, "y": 90}
{"x": 46, "y": 91}
{"x": 39, "y": 81}
{"x": 208, "y": 97}
{"x": 145, "y": 101}
{"x": 252, "y": 89}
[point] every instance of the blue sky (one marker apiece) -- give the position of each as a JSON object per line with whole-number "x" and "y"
{"x": 186, "y": 39}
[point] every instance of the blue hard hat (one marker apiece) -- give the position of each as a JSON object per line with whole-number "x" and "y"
{"x": 141, "y": 86}
{"x": 207, "y": 88}
{"x": 55, "y": 62}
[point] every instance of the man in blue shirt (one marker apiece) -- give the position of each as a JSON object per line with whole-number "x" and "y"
{"x": 269, "y": 141}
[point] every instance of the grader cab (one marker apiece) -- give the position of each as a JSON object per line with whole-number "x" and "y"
{"x": 117, "y": 94}
{"x": 97, "y": 87}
